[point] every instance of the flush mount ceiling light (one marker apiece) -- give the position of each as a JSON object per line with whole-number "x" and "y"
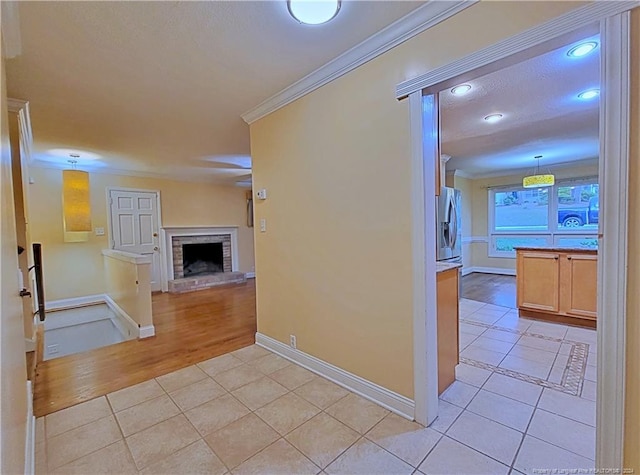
{"x": 493, "y": 118}
{"x": 589, "y": 94}
{"x": 537, "y": 180}
{"x": 313, "y": 12}
{"x": 582, "y": 49}
{"x": 461, "y": 90}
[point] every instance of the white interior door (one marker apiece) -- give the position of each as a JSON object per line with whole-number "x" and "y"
{"x": 134, "y": 226}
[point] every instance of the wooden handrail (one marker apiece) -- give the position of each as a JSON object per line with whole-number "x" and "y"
{"x": 37, "y": 267}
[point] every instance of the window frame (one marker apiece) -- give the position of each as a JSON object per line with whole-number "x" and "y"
{"x": 552, "y": 234}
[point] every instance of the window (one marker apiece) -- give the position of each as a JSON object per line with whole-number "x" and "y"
{"x": 563, "y": 215}
{"x": 519, "y": 209}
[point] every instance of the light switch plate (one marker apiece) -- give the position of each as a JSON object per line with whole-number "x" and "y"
{"x": 263, "y": 225}
{"x": 262, "y": 194}
{"x": 99, "y": 231}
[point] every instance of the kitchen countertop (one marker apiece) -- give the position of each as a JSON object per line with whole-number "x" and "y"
{"x": 556, "y": 249}
{"x": 445, "y": 266}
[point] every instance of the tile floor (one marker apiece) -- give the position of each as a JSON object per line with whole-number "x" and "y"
{"x": 524, "y": 399}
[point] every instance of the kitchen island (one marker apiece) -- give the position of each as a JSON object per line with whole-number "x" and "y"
{"x": 558, "y": 284}
{"x": 448, "y": 343}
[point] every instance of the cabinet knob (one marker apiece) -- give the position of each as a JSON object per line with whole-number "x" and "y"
{"x": 568, "y": 258}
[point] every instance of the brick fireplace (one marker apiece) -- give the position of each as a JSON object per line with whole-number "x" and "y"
{"x": 201, "y": 257}
{"x": 202, "y": 249}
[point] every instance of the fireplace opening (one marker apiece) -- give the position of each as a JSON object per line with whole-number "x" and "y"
{"x": 202, "y": 259}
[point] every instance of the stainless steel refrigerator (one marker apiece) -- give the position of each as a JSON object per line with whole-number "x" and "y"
{"x": 449, "y": 225}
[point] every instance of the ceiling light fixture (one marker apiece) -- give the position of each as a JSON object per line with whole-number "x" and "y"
{"x": 313, "y": 12}
{"x": 537, "y": 180}
{"x": 461, "y": 90}
{"x": 589, "y": 94}
{"x": 582, "y": 49}
{"x": 492, "y": 118}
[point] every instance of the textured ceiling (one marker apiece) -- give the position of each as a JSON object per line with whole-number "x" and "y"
{"x": 542, "y": 116}
{"x": 159, "y": 87}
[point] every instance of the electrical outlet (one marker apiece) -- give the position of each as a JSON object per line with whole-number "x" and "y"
{"x": 263, "y": 225}
{"x": 99, "y": 231}
{"x": 292, "y": 342}
{"x": 53, "y": 349}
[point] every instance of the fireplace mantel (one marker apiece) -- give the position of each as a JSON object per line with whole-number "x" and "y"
{"x": 168, "y": 233}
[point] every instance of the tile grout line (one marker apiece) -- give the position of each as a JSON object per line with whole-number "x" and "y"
{"x": 525, "y": 433}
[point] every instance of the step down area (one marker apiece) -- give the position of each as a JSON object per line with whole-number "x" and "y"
{"x": 79, "y": 329}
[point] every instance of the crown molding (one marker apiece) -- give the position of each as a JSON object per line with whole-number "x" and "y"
{"x": 460, "y": 173}
{"x": 419, "y": 20}
{"x": 509, "y": 47}
{"x": 16, "y": 105}
{"x": 527, "y": 170}
{"x": 200, "y": 178}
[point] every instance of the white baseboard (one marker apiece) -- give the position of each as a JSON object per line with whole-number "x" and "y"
{"x": 74, "y": 302}
{"x": 395, "y": 402}
{"x": 250, "y": 275}
{"x": 488, "y": 270}
{"x": 30, "y": 442}
{"x": 147, "y": 331}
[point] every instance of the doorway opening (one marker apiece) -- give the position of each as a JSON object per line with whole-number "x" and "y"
{"x": 613, "y": 157}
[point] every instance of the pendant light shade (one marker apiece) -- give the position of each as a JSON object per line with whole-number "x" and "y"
{"x": 76, "y": 202}
{"x": 538, "y": 180}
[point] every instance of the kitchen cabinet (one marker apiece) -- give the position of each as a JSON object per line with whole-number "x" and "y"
{"x": 448, "y": 343}
{"x": 557, "y": 284}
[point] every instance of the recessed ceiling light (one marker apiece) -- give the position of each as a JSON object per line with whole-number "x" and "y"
{"x": 313, "y": 12}
{"x": 461, "y": 90}
{"x": 491, "y": 118}
{"x": 590, "y": 94}
{"x": 582, "y": 49}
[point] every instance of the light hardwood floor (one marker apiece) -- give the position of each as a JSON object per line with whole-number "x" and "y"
{"x": 190, "y": 328}
{"x": 490, "y": 288}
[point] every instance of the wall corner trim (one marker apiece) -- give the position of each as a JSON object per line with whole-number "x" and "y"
{"x": 393, "y": 401}
{"x": 30, "y": 442}
{"x": 417, "y": 21}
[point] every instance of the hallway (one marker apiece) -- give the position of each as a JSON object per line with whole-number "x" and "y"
{"x": 523, "y": 400}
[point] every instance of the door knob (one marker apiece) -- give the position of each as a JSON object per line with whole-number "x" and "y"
{"x": 155, "y": 234}
{"x": 156, "y": 248}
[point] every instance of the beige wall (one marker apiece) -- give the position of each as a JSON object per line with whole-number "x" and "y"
{"x": 335, "y": 266}
{"x": 480, "y": 210}
{"x": 129, "y": 285}
{"x": 632, "y": 410}
{"x": 76, "y": 269}
{"x": 13, "y": 372}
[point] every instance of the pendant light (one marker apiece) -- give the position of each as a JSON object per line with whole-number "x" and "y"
{"x": 537, "y": 180}
{"x": 76, "y": 200}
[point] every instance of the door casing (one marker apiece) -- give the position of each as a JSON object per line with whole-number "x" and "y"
{"x": 161, "y": 249}
{"x": 613, "y": 20}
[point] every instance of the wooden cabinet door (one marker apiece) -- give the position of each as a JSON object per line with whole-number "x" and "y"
{"x": 538, "y": 280}
{"x": 580, "y": 285}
